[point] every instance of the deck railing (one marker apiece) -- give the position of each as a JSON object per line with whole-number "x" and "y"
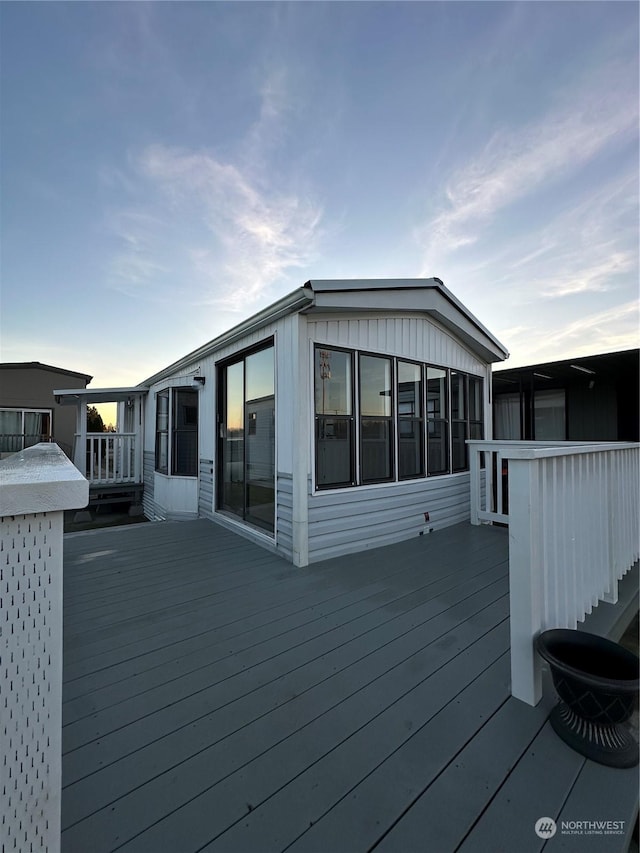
{"x": 111, "y": 458}
{"x": 36, "y": 486}
{"x": 573, "y": 513}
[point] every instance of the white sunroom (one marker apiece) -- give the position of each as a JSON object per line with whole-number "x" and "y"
{"x": 333, "y": 421}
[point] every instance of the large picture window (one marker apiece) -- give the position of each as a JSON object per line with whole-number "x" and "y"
{"x": 177, "y": 416}
{"x": 399, "y": 420}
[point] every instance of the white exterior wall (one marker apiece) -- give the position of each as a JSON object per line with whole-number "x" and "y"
{"x": 313, "y": 525}
{"x": 353, "y": 519}
{"x": 175, "y": 497}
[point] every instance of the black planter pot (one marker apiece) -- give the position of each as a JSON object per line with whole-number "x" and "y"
{"x": 597, "y": 682}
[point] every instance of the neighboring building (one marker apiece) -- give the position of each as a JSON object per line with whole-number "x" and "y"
{"x": 28, "y": 410}
{"x": 590, "y": 398}
{"x": 330, "y": 422}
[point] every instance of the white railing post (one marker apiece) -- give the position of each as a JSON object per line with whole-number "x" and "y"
{"x": 138, "y": 439}
{"x": 525, "y": 561}
{"x": 37, "y": 485}
{"x": 80, "y": 449}
{"x": 474, "y": 475}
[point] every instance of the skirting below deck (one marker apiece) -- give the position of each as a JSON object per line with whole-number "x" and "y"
{"x": 217, "y": 698}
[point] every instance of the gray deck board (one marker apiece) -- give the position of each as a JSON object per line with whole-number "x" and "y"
{"x": 217, "y": 698}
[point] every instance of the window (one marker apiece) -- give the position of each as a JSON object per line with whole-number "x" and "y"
{"x": 549, "y": 414}
{"x": 20, "y": 428}
{"x": 437, "y": 422}
{"x": 247, "y": 437}
{"x": 376, "y": 424}
{"x": 177, "y": 416}
{"x": 476, "y": 408}
{"x": 459, "y": 423}
{"x": 412, "y": 420}
{"x": 334, "y": 418}
{"x": 507, "y": 418}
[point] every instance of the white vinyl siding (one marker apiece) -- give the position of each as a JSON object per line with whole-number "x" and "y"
{"x": 356, "y": 518}
{"x": 342, "y": 522}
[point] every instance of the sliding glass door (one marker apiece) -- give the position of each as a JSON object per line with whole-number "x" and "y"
{"x": 247, "y": 447}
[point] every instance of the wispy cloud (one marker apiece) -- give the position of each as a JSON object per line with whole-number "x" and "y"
{"x": 603, "y": 331}
{"x": 221, "y": 226}
{"x": 517, "y": 162}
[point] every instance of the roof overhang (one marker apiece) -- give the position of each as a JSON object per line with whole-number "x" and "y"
{"x": 73, "y": 396}
{"x": 428, "y": 296}
{"x": 604, "y": 368}
{"x": 422, "y": 295}
{"x": 289, "y": 304}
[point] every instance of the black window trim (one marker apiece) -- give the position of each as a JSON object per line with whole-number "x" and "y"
{"x": 356, "y": 418}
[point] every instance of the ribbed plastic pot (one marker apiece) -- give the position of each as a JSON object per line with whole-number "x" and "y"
{"x": 597, "y": 682}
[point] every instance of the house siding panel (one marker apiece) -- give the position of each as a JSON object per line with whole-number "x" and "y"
{"x": 205, "y": 492}
{"x": 361, "y": 518}
{"x": 148, "y": 474}
{"x": 349, "y": 520}
{"x": 284, "y": 522}
{"x": 410, "y": 337}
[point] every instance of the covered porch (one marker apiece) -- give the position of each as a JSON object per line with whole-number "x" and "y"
{"x": 217, "y": 698}
{"x": 109, "y": 460}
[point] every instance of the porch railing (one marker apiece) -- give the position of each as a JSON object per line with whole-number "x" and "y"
{"x": 573, "y": 513}
{"x": 36, "y": 487}
{"x": 111, "y": 458}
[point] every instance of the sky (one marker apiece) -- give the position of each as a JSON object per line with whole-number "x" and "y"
{"x": 169, "y": 169}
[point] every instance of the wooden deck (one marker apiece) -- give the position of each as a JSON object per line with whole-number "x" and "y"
{"x": 217, "y": 698}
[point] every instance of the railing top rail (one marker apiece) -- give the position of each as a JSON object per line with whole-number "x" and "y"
{"x": 547, "y": 449}
{"x": 40, "y": 479}
{"x": 108, "y": 434}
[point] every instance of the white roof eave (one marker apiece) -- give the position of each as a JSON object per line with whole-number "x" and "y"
{"x": 72, "y": 396}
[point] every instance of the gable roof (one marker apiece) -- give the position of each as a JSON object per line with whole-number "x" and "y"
{"x": 37, "y": 365}
{"x": 418, "y": 295}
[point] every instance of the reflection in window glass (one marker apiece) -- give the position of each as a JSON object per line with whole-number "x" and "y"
{"x": 410, "y": 424}
{"x": 458, "y": 407}
{"x": 332, "y": 382}
{"x": 259, "y": 378}
{"x": 437, "y": 423}
{"x": 334, "y": 424}
{"x": 376, "y": 463}
{"x": 550, "y": 424}
{"x": 459, "y": 426}
{"x": 475, "y": 398}
{"x": 184, "y": 462}
{"x": 246, "y": 454}
{"x": 162, "y": 432}
{"x": 375, "y": 386}
{"x": 376, "y": 428}
{"x": 334, "y": 451}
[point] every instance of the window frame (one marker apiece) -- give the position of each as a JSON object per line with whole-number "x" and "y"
{"x": 421, "y": 420}
{"x": 321, "y": 419}
{"x": 356, "y": 419}
{"x": 445, "y": 419}
{"x": 459, "y": 421}
{"x": 368, "y": 419}
{"x": 172, "y": 431}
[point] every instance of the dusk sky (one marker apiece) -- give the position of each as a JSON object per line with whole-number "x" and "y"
{"x": 169, "y": 169}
